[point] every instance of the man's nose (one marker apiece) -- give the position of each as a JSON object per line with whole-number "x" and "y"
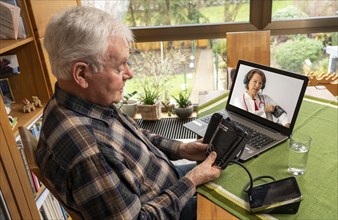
{"x": 129, "y": 73}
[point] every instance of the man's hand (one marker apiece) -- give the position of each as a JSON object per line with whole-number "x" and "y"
{"x": 193, "y": 151}
{"x": 205, "y": 171}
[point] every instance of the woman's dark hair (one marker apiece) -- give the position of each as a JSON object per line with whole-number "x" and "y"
{"x": 249, "y": 75}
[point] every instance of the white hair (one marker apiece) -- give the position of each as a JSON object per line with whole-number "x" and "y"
{"x": 81, "y": 34}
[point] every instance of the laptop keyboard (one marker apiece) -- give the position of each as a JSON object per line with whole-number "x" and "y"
{"x": 206, "y": 119}
{"x": 254, "y": 138}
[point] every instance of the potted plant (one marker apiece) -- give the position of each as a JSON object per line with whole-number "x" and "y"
{"x": 150, "y": 105}
{"x": 184, "y": 107}
{"x": 167, "y": 104}
{"x": 129, "y": 106}
{"x": 154, "y": 72}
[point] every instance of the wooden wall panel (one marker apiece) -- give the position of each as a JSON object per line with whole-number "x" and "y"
{"x": 252, "y": 46}
{"x": 43, "y": 10}
{"x": 47, "y": 68}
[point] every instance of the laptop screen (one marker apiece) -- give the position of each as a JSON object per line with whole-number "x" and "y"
{"x": 267, "y": 95}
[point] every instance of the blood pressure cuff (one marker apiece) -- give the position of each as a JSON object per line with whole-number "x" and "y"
{"x": 226, "y": 138}
{"x": 278, "y": 111}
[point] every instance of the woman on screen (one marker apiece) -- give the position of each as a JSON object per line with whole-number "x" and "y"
{"x": 255, "y": 102}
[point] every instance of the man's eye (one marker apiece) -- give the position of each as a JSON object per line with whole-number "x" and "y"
{"x": 129, "y": 63}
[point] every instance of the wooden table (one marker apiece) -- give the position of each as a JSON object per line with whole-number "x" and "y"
{"x": 318, "y": 185}
{"x": 206, "y": 209}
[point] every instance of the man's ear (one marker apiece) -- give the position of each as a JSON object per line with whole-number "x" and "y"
{"x": 79, "y": 71}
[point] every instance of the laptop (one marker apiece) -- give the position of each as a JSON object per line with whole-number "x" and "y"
{"x": 282, "y": 89}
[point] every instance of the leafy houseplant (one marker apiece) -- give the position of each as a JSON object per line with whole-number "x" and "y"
{"x": 150, "y": 106}
{"x": 167, "y": 104}
{"x": 129, "y": 106}
{"x": 150, "y": 95}
{"x": 153, "y": 74}
{"x": 184, "y": 107}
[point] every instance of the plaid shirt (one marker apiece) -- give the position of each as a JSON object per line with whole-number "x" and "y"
{"x": 104, "y": 166}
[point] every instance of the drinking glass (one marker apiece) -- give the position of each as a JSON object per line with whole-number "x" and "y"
{"x": 299, "y": 152}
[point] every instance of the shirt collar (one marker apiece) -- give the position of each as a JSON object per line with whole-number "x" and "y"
{"x": 83, "y": 106}
{"x": 247, "y": 96}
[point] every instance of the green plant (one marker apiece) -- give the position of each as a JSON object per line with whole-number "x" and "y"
{"x": 174, "y": 84}
{"x": 167, "y": 103}
{"x": 168, "y": 107}
{"x": 219, "y": 47}
{"x": 291, "y": 54}
{"x": 154, "y": 72}
{"x": 127, "y": 97}
{"x": 289, "y": 12}
{"x": 182, "y": 99}
{"x": 150, "y": 95}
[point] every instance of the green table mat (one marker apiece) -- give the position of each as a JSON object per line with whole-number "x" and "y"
{"x": 318, "y": 185}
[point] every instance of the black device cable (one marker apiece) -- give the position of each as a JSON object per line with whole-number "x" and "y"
{"x": 247, "y": 171}
{"x": 252, "y": 180}
{"x": 245, "y": 188}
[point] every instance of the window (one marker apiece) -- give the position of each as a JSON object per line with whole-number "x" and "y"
{"x": 176, "y": 24}
{"x": 282, "y": 9}
{"x": 178, "y": 12}
{"x": 173, "y": 64}
{"x": 305, "y": 53}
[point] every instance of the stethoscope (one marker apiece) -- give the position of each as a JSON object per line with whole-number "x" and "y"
{"x": 260, "y": 104}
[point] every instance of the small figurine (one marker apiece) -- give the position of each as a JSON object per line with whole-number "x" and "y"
{"x": 27, "y": 106}
{"x": 36, "y": 102}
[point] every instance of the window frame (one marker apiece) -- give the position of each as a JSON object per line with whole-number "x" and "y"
{"x": 260, "y": 19}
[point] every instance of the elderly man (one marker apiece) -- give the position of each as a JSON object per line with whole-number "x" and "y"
{"x": 101, "y": 163}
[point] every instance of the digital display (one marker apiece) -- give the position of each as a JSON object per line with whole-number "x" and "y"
{"x": 274, "y": 192}
{"x": 268, "y": 95}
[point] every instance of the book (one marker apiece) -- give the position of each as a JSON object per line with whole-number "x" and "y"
{"x": 41, "y": 197}
{"x": 64, "y": 212}
{"x": 43, "y": 214}
{"x": 46, "y": 209}
{"x": 9, "y": 65}
{"x": 28, "y": 171}
{"x": 38, "y": 125}
{"x": 35, "y": 129}
{"x": 12, "y": 2}
{"x": 4, "y": 213}
{"x": 52, "y": 208}
{"x": 22, "y": 30}
{"x": 56, "y": 206}
{"x": 9, "y": 21}
{"x": 6, "y": 91}
{"x": 36, "y": 182}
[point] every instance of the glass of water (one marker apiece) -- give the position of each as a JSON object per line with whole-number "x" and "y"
{"x": 299, "y": 152}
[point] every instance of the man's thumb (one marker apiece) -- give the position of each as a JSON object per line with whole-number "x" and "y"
{"x": 212, "y": 157}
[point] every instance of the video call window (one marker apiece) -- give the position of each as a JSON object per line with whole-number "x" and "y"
{"x": 282, "y": 89}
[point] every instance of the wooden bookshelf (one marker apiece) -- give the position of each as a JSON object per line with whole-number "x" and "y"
{"x": 24, "y": 119}
{"x": 7, "y": 45}
{"x": 34, "y": 79}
